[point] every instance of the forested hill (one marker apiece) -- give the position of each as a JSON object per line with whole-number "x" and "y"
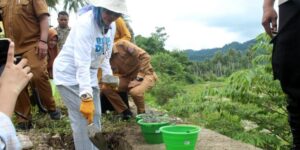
{"x": 205, "y": 54}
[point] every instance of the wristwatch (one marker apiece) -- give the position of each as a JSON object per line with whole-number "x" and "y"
{"x": 139, "y": 79}
{"x": 85, "y": 96}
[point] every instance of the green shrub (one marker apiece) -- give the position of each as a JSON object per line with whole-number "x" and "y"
{"x": 165, "y": 89}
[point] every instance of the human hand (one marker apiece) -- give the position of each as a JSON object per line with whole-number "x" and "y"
{"x": 134, "y": 83}
{"x": 12, "y": 81}
{"x": 15, "y": 76}
{"x": 87, "y": 109}
{"x": 42, "y": 49}
{"x": 269, "y": 20}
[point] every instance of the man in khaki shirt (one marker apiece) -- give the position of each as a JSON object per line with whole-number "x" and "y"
{"x": 26, "y": 23}
{"x": 132, "y": 65}
{"x": 63, "y": 28}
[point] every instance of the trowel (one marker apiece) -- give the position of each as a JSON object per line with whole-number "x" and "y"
{"x": 97, "y": 137}
{"x": 94, "y": 133}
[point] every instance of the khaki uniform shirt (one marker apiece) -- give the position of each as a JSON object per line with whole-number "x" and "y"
{"x": 62, "y": 36}
{"x": 21, "y": 22}
{"x": 129, "y": 61}
{"x": 122, "y": 31}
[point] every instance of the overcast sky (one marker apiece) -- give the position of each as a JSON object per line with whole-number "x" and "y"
{"x": 195, "y": 24}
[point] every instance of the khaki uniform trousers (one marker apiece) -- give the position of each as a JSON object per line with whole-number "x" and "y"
{"x": 40, "y": 81}
{"x": 137, "y": 93}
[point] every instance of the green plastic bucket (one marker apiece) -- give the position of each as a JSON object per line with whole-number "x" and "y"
{"x": 180, "y": 137}
{"x": 142, "y": 116}
{"x": 139, "y": 117}
{"x": 151, "y": 132}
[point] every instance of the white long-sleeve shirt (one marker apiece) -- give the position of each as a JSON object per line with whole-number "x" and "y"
{"x": 85, "y": 50}
{"x": 8, "y": 137}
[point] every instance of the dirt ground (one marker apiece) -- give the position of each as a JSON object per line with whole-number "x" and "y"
{"x": 131, "y": 139}
{"x": 207, "y": 140}
{"x": 128, "y": 136}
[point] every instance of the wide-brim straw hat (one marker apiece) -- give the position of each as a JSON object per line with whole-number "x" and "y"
{"x": 118, "y": 6}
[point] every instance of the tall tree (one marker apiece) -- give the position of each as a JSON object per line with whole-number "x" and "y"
{"x": 155, "y": 43}
{"x": 74, "y": 4}
{"x": 69, "y": 5}
{"x": 52, "y": 3}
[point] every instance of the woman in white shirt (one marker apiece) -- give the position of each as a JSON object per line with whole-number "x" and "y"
{"x": 87, "y": 48}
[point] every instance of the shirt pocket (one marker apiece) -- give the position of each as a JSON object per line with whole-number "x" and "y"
{"x": 24, "y": 8}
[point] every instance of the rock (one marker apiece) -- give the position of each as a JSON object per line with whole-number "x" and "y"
{"x": 25, "y": 141}
{"x": 55, "y": 140}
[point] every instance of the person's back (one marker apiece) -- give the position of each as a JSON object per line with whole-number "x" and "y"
{"x": 63, "y": 28}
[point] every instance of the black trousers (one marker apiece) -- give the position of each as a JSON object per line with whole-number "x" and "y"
{"x": 286, "y": 63}
{"x": 106, "y": 105}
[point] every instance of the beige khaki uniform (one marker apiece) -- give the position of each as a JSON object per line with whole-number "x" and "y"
{"x": 129, "y": 62}
{"x": 62, "y": 34}
{"x": 22, "y": 25}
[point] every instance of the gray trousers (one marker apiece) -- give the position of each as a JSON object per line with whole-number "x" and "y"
{"x": 70, "y": 97}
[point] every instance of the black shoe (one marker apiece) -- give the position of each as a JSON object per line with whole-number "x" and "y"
{"x": 24, "y": 125}
{"x": 55, "y": 115}
{"x": 126, "y": 114}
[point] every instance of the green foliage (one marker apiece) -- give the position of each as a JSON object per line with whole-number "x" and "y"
{"x": 221, "y": 64}
{"x": 74, "y": 4}
{"x": 155, "y": 43}
{"x": 256, "y": 86}
{"x": 43, "y": 123}
{"x": 249, "y": 95}
{"x": 166, "y": 64}
{"x": 68, "y": 4}
{"x": 173, "y": 64}
{"x": 52, "y": 3}
{"x": 165, "y": 89}
{"x": 207, "y": 54}
{"x": 182, "y": 58}
{"x": 224, "y": 63}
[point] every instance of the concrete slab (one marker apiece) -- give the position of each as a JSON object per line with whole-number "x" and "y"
{"x": 207, "y": 140}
